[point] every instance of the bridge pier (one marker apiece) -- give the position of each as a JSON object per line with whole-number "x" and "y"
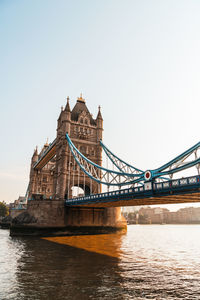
{"x": 52, "y": 218}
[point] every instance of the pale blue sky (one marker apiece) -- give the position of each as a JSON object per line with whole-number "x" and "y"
{"x": 139, "y": 60}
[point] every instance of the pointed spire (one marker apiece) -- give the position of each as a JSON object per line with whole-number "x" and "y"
{"x": 67, "y": 108}
{"x": 46, "y": 144}
{"x": 35, "y": 151}
{"x": 99, "y": 116}
{"x": 80, "y": 99}
{"x": 35, "y": 155}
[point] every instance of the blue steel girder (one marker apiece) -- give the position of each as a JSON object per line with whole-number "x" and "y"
{"x": 100, "y": 174}
{"x": 119, "y": 163}
{"x": 27, "y": 193}
{"x": 129, "y": 175}
{"x": 179, "y": 163}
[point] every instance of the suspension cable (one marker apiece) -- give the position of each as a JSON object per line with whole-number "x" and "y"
{"x": 78, "y": 178}
{"x": 84, "y": 182}
{"x": 69, "y": 174}
{"x": 90, "y": 186}
{"x": 73, "y": 173}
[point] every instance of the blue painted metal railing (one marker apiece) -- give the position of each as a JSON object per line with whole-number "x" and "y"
{"x": 177, "y": 186}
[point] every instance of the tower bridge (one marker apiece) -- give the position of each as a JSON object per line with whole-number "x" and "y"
{"x": 73, "y": 161}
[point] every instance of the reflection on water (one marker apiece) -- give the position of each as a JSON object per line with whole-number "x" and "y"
{"x": 149, "y": 262}
{"x": 109, "y": 245}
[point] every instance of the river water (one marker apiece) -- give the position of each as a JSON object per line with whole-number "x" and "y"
{"x": 148, "y": 262}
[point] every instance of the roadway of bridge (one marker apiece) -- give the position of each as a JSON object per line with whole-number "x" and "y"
{"x": 175, "y": 199}
{"x": 184, "y": 190}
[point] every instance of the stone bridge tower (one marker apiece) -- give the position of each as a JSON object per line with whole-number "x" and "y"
{"x": 85, "y": 132}
{"x": 54, "y": 180}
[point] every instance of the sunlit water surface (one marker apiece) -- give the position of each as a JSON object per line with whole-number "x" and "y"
{"x": 149, "y": 262}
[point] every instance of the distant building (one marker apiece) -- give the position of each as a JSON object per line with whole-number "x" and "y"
{"x": 158, "y": 215}
{"x": 19, "y": 203}
{"x": 189, "y": 215}
{"x": 129, "y": 209}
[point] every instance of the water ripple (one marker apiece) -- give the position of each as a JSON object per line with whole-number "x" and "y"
{"x": 149, "y": 262}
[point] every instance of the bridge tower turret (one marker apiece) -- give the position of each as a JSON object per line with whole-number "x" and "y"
{"x": 99, "y": 121}
{"x": 85, "y": 132}
{"x": 60, "y": 174}
{"x": 35, "y": 156}
{"x": 33, "y": 173}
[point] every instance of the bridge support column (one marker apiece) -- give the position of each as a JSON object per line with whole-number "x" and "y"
{"x": 49, "y": 218}
{"x": 95, "y": 220}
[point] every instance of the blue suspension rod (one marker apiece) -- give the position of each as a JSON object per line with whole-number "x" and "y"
{"x": 73, "y": 148}
{"x": 186, "y": 166}
{"x": 97, "y": 166}
{"x": 108, "y": 152}
{"x": 190, "y": 150}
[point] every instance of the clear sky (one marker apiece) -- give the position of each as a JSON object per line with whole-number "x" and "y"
{"x": 139, "y": 60}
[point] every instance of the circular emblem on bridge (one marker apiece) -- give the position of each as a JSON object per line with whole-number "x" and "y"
{"x": 147, "y": 175}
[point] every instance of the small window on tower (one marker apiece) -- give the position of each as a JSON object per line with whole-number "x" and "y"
{"x": 81, "y": 120}
{"x": 86, "y": 121}
{"x": 83, "y": 149}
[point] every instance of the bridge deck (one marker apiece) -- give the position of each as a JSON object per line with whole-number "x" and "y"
{"x": 183, "y": 190}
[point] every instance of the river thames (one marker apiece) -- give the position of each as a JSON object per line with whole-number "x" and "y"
{"x": 148, "y": 262}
